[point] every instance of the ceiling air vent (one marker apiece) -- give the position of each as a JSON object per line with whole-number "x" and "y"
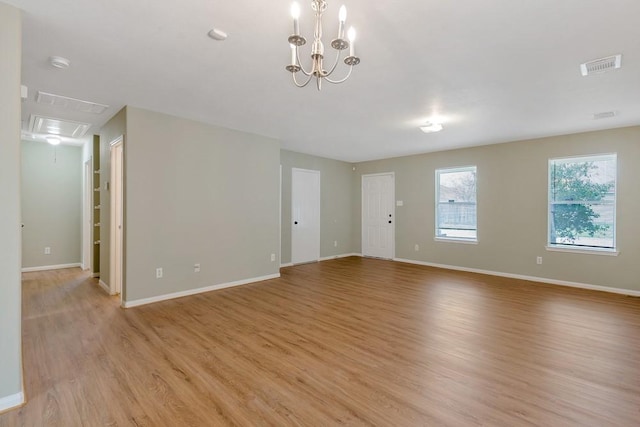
{"x": 605, "y": 115}
{"x": 601, "y": 65}
{"x": 70, "y": 103}
{"x": 50, "y": 125}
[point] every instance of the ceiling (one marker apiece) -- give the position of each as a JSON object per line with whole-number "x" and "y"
{"x": 493, "y": 70}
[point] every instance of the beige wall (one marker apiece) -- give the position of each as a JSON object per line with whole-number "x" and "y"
{"x": 113, "y": 129}
{"x": 512, "y": 208}
{"x": 51, "y": 204}
{"x": 335, "y": 203}
{"x": 197, "y": 194}
{"x": 10, "y": 252}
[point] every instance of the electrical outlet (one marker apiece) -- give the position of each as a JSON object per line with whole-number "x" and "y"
{"x": 335, "y": 243}
{"x": 47, "y": 250}
{"x": 416, "y": 247}
{"x": 539, "y": 260}
{"x": 196, "y": 268}
{"x": 159, "y": 273}
{"x": 273, "y": 257}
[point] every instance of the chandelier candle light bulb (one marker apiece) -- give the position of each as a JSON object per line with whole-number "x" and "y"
{"x": 294, "y": 61}
{"x": 295, "y": 13}
{"x": 352, "y": 41}
{"x": 342, "y": 17}
{"x": 339, "y": 44}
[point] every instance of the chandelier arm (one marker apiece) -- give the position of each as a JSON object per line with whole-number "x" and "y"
{"x": 335, "y": 64}
{"x": 335, "y": 82}
{"x": 305, "y": 72}
{"x": 295, "y": 81}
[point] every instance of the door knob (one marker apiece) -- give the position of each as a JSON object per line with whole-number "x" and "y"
{"x": 389, "y": 222}
{"x": 295, "y": 222}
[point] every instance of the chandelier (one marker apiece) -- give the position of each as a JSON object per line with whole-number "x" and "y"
{"x": 317, "y": 48}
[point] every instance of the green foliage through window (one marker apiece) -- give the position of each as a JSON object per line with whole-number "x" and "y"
{"x": 582, "y": 201}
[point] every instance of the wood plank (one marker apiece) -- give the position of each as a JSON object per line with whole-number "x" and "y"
{"x": 344, "y": 342}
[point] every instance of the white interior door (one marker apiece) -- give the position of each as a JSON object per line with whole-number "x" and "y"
{"x": 378, "y": 215}
{"x": 305, "y": 215}
{"x": 117, "y": 216}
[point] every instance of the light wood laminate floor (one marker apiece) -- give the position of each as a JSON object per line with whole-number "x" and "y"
{"x": 344, "y": 342}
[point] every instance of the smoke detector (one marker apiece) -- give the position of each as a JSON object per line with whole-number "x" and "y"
{"x": 59, "y": 62}
{"x": 602, "y": 65}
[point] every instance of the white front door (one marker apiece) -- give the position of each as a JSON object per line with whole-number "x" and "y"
{"x": 378, "y": 215}
{"x": 305, "y": 215}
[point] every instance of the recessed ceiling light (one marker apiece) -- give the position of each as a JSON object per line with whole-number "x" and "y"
{"x": 431, "y": 127}
{"x": 59, "y": 62}
{"x": 53, "y": 140}
{"x": 217, "y": 34}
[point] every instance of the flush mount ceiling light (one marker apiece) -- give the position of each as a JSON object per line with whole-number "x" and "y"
{"x": 217, "y": 34}
{"x": 53, "y": 140}
{"x": 59, "y": 62}
{"x": 431, "y": 127}
{"x": 317, "y": 48}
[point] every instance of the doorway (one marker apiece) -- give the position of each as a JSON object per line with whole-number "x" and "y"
{"x": 378, "y": 215}
{"x": 305, "y": 215}
{"x": 116, "y": 258}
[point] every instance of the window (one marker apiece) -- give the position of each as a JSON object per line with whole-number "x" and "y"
{"x": 582, "y": 202}
{"x": 456, "y": 204}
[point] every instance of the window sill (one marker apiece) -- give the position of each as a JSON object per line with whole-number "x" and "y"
{"x": 592, "y": 251}
{"x": 456, "y": 240}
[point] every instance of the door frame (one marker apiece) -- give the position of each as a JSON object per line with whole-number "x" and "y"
{"x": 393, "y": 211}
{"x": 87, "y": 215}
{"x": 116, "y": 243}
{"x": 315, "y": 172}
{"x": 279, "y": 260}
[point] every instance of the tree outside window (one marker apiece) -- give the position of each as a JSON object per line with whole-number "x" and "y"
{"x": 582, "y": 202}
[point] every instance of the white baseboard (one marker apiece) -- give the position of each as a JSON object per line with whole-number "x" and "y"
{"x": 105, "y": 287}
{"x": 327, "y": 258}
{"x": 51, "y": 267}
{"x": 12, "y": 401}
{"x": 588, "y": 286}
{"x": 139, "y": 302}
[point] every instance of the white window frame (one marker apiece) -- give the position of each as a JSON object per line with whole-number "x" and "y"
{"x": 563, "y": 247}
{"x": 472, "y": 241}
